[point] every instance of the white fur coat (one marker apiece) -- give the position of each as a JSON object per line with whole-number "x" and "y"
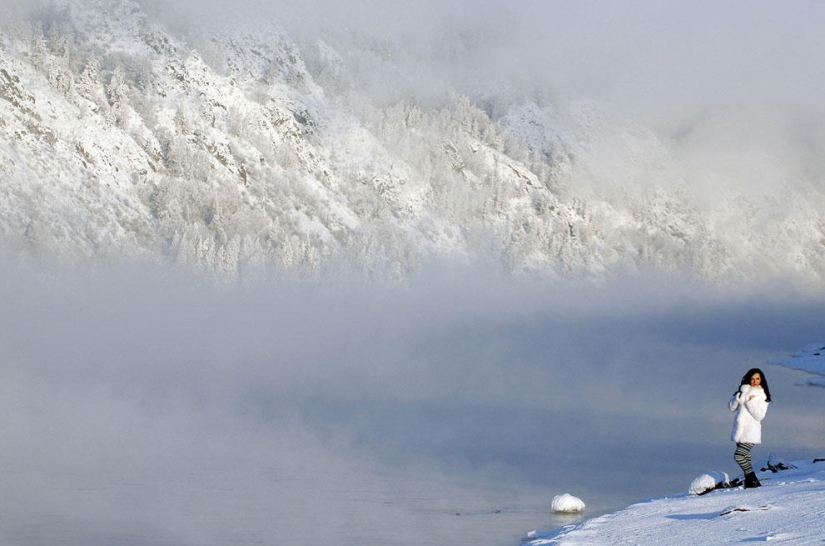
{"x": 747, "y": 428}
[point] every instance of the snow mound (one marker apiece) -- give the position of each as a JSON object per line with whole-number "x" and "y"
{"x": 708, "y": 482}
{"x": 567, "y": 504}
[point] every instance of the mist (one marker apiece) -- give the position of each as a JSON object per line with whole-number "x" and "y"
{"x": 652, "y": 60}
{"x": 736, "y": 76}
{"x": 726, "y": 91}
{"x": 152, "y": 406}
{"x": 641, "y": 55}
{"x": 140, "y": 406}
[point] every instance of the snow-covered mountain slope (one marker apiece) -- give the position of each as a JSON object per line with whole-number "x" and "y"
{"x": 241, "y": 150}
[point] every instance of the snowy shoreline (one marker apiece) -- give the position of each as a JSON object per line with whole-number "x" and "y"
{"x": 789, "y": 507}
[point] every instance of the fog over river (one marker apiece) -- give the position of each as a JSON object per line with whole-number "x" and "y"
{"x": 138, "y": 407}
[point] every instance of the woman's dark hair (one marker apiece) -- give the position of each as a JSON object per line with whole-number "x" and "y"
{"x": 746, "y": 379}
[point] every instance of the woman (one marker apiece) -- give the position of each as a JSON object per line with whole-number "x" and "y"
{"x": 750, "y": 403}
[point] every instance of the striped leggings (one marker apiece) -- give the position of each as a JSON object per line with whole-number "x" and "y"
{"x": 742, "y": 456}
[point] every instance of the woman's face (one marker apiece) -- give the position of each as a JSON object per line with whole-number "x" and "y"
{"x": 756, "y": 379}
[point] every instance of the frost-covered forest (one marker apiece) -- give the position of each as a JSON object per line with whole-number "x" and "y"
{"x": 239, "y": 149}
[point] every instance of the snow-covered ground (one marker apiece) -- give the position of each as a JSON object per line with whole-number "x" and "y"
{"x": 788, "y": 508}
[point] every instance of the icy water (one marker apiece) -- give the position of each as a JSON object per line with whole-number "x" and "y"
{"x": 117, "y": 512}
{"x": 140, "y": 411}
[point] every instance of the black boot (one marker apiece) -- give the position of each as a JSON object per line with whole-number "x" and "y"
{"x": 751, "y": 480}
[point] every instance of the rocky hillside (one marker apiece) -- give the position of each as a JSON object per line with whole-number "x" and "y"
{"x": 239, "y": 150}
